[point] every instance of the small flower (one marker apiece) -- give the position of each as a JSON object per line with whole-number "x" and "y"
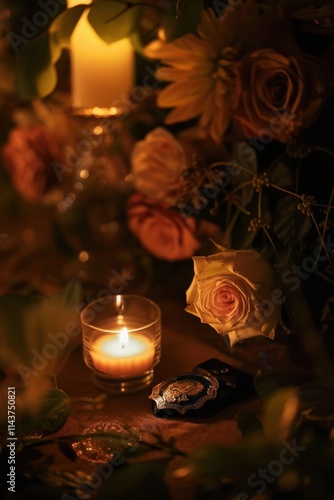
{"x": 28, "y": 156}
{"x": 232, "y": 291}
{"x": 260, "y": 180}
{"x": 306, "y": 204}
{"x": 256, "y": 224}
{"x": 165, "y": 233}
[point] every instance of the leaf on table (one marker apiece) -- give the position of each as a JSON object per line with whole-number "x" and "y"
{"x": 39, "y": 331}
{"x": 265, "y": 384}
{"x": 280, "y": 412}
{"x": 125, "y": 483}
{"x": 317, "y": 401}
{"x": 233, "y": 463}
{"x": 38, "y": 491}
{"x": 55, "y": 410}
{"x": 248, "y": 423}
{"x": 210, "y": 460}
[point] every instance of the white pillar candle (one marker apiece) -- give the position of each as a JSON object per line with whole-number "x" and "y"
{"x": 100, "y": 73}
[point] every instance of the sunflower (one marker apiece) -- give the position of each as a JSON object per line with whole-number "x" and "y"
{"x": 201, "y": 69}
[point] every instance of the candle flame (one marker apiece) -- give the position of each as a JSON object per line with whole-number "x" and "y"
{"x": 123, "y": 337}
{"x": 119, "y": 304}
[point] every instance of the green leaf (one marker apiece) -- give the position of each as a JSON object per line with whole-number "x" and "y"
{"x": 289, "y": 224}
{"x": 217, "y": 461}
{"x": 212, "y": 460}
{"x": 281, "y": 175}
{"x": 12, "y": 310}
{"x": 113, "y": 21}
{"x": 38, "y": 491}
{"x": 180, "y": 21}
{"x": 30, "y": 323}
{"x": 248, "y": 423}
{"x": 317, "y": 401}
{"x": 127, "y": 482}
{"x": 264, "y": 384}
{"x": 63, "y": 26}
{"x": 279, "y": 413}
{"x": 36, "y": 75}
{"x": 71, "y": 294}
{"x": 54, "y": 412}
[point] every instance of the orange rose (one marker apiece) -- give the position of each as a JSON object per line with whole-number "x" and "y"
{"x": 277, "y": 96}
{"x": 162, "y": 231}
{"x": 28, "y": 156}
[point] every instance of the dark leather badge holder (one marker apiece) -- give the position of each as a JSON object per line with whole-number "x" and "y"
{"x": 210, "y": 387}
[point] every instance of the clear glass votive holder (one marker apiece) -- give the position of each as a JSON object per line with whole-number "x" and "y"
{"x": 122, "y": 341}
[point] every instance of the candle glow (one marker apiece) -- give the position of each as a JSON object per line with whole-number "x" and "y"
{"x": 123, "y": 355}
{"x": 124, "y": 337}
{"x": 101, "y": 72}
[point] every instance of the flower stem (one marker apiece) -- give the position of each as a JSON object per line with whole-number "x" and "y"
{"x": 322, "y": 150}
{"x": 231, "y": 225}
{"x": 285, "y": 191}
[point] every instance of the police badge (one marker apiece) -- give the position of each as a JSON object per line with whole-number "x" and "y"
{"x": 210, "y": 387}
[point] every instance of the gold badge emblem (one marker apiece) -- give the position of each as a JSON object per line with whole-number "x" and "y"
{"x": 180, "y": 390}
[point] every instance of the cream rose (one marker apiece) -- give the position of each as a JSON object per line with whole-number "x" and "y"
{"x": 162, "y": 231}
{"x": 157, "y": 165}
{"x": 276, "y": 96}
{"x": 234, "y": 292}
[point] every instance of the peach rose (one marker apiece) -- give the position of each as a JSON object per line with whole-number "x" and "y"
{"x": 162, "y": 231}
{"x": 28, "y": 156}
{"x": 277, "y": 96}
{"x": 157, "y": 165}
{"x": 234, "y": 292}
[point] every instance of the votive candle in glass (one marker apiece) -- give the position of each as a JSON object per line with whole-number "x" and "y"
{"x": 122, "y": 341}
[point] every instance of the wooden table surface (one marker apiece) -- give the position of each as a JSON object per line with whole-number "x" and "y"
{"x": 185, "y": 343}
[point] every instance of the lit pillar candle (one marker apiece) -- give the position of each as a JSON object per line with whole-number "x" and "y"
{"x": 101, "y": 73}
{"x": 123, "y": 355}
